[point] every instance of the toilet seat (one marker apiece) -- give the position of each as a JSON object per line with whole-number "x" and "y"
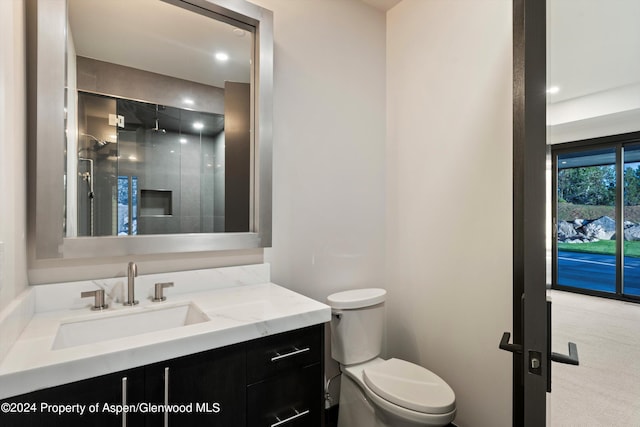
{"x": 356, "y": 374}
{"x": 410, "y": 386}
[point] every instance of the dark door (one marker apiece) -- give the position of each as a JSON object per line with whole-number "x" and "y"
{"x": 529, "y": 157}
{"x": 531, "y": 313}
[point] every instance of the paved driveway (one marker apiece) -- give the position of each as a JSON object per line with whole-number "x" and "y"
{"x": 597, "y": 272}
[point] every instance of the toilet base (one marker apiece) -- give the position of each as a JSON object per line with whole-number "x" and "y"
{"x": 356, "y": 410}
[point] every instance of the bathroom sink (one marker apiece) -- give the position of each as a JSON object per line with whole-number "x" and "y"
{"x": 126, "y": 323}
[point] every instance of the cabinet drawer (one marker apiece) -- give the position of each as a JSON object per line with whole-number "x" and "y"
{"x": 293, "y": 399}
{"x": 271, "y": 355}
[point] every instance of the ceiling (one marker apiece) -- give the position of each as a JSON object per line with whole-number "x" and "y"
{"x": 592, "y": 46}
{"x": 155, "y": 36}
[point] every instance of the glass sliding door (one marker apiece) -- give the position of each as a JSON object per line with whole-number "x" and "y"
{"x": 596, "y": 214}
{"x": 631, "y": 224}
{"x": 586, "y": 220}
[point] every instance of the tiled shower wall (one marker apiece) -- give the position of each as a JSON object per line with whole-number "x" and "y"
{"x": 194, "y": 172}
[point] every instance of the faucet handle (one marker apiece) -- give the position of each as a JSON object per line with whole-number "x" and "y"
{"x": 158, "y": 296}
{"x": 98, "y": 303}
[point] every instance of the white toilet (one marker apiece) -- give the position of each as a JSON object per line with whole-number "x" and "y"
{"x": 375, "y": 392}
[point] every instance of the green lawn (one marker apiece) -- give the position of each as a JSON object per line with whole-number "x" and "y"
{"x": 605, "y": 247}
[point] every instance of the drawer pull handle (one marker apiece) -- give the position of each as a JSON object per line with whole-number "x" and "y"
{"x": 166, "y": 396}
{"x": 291, "y": 418}
{"x": 124, "y": 401}
{"x": 279, "y": 356}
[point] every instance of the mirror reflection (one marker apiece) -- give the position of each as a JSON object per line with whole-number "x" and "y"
{"x": 158, "y": 121}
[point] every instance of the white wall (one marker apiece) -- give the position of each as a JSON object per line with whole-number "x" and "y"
{"x": 449, "y": 195}
{"x": 329, "y": 144}
{"x": 13, "y": 224}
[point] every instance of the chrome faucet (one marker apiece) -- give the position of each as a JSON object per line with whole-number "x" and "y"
{"x": 132, "y": 273}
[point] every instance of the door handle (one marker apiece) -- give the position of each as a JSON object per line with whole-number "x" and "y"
{"x": 504, "y": 344}
{"x": 571, "y": 359}
{"x": 535, "y": 358}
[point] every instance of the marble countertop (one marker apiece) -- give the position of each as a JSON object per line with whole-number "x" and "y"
{"x": 237, "y": 314}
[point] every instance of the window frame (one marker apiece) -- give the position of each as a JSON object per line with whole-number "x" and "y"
{"x": 617, "y": 142}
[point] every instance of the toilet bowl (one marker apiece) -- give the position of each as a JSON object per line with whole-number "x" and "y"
{"x": 375, "y": 392}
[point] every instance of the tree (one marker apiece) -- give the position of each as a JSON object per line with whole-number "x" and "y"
{"x": 593, "y": 185}
{"x": 632, "y": 185}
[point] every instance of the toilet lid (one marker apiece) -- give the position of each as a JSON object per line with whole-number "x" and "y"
{"x": 356, "y": 298}
{"x": 410, "y": 386}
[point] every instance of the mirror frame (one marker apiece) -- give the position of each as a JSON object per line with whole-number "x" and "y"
{"x": 46, "y": 87}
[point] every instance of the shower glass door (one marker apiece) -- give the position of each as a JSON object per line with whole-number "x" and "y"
{"x": 148, "y": 169}
{"x": 97, "y": 159}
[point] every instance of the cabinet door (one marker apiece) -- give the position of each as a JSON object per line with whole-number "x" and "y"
{"x": 269, "y": 356}
{"x": 292, "y": 399}
{"x": 204, "y": 389}
{"x": 96, "y": 397}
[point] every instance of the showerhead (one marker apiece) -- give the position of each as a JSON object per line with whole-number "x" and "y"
{"x": 156, "y": 129}
{"x": 99, "y": 142}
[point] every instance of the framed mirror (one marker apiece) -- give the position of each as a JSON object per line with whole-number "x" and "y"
{"x": 150, "y": 127}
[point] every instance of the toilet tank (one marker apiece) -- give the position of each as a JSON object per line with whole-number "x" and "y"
{"x": 357, "y": 325}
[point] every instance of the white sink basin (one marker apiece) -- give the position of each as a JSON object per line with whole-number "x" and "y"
{"x": 126, "y": 323}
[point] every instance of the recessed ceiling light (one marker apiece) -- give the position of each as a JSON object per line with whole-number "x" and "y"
{"x": 553, "y": 90}
{"x": 221, "y": 56}
{"x": 183, "y": 140}
{"x": 188, "y": 101}
{"x": 198, "y": 125}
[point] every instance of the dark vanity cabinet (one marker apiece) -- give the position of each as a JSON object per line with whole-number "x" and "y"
{"x": 272, "y": 381}
{"x": 203, "y": 389}
{"x": 284, "y": 377}
{"x": 44, "y": 408}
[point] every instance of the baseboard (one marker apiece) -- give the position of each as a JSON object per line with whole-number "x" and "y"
{"x": 331, "y": 417}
